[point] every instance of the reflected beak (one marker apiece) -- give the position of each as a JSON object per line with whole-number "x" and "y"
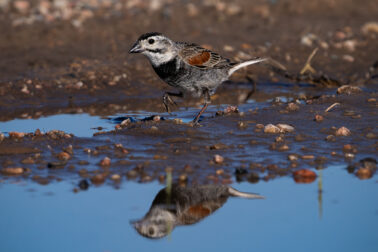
{"x": 135, "y": 223}
{"x": 136, "y": 48}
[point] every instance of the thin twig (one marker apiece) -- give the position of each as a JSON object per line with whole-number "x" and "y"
{"x": 332, "y": 106}
{"x": 307, "y": 66}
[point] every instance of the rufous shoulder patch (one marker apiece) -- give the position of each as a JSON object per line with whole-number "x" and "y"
{"x": 199, "y": 211}
{"x": 199, "y": 59}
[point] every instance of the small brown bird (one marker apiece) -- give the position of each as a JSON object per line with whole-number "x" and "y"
{"x": 184, "y": 206}
{"x": 188, "y": 67}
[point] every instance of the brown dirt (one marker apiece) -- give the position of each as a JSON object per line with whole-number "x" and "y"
{"x": 42, "y": 63}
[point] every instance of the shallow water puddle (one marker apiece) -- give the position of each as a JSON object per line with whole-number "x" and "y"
{"x": 78, "y": 124}
{"x": 344, "y": 216}
{"x": 84, "y": 125}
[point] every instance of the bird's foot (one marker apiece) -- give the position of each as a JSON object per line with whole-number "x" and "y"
{"x": 167, "y": 100}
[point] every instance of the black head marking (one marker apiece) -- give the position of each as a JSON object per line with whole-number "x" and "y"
{"x": 149, "y": 34}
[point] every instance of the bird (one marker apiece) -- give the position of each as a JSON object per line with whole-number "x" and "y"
{"x": 188, "y": 67}
{"x": 184, "y": 205}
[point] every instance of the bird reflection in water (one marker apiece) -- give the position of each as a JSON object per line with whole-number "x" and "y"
{"x": 178, "y": 205}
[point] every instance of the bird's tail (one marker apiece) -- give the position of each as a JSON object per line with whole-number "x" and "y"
{"x": 244, "y": 64}
{"x": 236, "y": 193}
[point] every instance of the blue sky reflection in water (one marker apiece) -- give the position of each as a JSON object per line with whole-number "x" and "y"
{"x": 52, "y": 218}
{"x": 84, "y": 125}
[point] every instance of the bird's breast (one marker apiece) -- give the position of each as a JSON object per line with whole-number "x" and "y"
{"x": 168, "y": 70}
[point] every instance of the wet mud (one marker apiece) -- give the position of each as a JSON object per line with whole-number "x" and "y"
{"x": 305, "y": 110}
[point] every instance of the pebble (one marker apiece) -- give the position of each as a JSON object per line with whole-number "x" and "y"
{"x": 371, "y": 135}
{"x": 340, "y": 35}
{"x": 25, "y": 90}
{"x": 370, "y": 27}
{"x": 343, "y": 131}
{"x": 188, "y": 168}
{"x": 121, "y": 148}
{"x": 348, "y": 148}
{"x": 330, "y": 138}
{"x": 308, "y": 157}
{"x": 233, "y": 9}
{"x": 115, "y": 177}
{"x": 284, "y": 147}
{"x": 304, "y": 176}
{"x": 64, "y": 156}
{"x": 83, "y": 171}
{"x": 219, "y": 172}
{"x": 348, "y": 89}
{"x": 22, "y": 6}
{"x": 12, "y": 170}
{"x": 83, "y": 184}
{"x": 38, "y": 132}
{"x": 125, "y": 122}
{"x": 231, "y": 109}
{"x": 169, "y": 169}
{"x": 364, "y": 173}
{"x": 132, "y": 174}
{"x": 348, "y": 58}
{"x": 161, "y": 179}
{"x": 284, "y": 128}
{"x": 41, "y": 180}
{"x": 279, "y": 139}
{"x": 260, "y": 126}
{"x": 17, "y": 135}
{"x": 98, "y": 179}
{"x": 292, "y": 106}
{"x": 318, "y": 118}
{"x": 246, "y": 46}
{"x": 272, "y": 129}
{"x": 369, "y": 163}
{"x": 183, "y": 178}
{"x": 218, "y": 146}
{"x": 162, "y": 157}
{"x": 218, "y": 159}
{"x": 87, "y": 150}
{"x": 228, "y": 48}
{"x": 56, "y": 165}
{"x": 146, "y": 178}
{"x": 105, "y": 162}
{"x": 242, "y": 125}
{"x": 292, "y": 157}
{"x": 79, "y": 85}
{"x": 308, "y": 39}
{"x": 192, "y": 9}
{"x": 350, "y": 45}
{"x": 83, "y": 162}
{"x": 178, "y": 121}
{"x": 28, "y": 160}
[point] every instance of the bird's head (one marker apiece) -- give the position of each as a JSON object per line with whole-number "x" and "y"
{"x": 158, "y": 48}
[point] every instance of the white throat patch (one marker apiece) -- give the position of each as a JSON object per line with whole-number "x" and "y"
{"x": 157, "y": 59}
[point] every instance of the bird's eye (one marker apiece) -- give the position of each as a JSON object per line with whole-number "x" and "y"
{"x": 151, "y": 41}
{"x": 151, "y": 231}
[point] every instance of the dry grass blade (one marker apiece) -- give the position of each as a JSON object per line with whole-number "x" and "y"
{"x": 307, "y": 67}
{"x": 332, "y": 106}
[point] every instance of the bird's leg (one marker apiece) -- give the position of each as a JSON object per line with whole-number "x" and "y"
{"x": 167, "y": 100}
{"x": 206, "y": 95}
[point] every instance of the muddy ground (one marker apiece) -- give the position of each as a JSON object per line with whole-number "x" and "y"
{"x": 72, "y": 58}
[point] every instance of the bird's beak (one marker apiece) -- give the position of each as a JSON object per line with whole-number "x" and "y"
{"x": 136, "y": 48}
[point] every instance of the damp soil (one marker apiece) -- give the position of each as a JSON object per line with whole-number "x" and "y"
{"x": 50, "y": 68}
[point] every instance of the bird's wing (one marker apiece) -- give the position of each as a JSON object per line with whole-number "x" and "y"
{"x": 197, "y": 56}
